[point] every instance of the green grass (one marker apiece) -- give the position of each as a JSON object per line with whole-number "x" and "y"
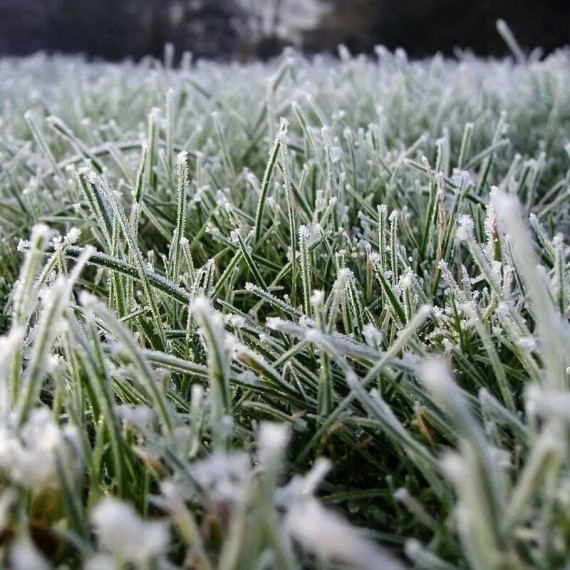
{"x": 305, "y": 314}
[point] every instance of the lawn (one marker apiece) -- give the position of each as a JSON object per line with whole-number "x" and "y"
{"x": 303, "y": 314}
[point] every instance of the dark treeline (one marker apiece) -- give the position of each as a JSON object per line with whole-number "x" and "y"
{"x": 116, "y": 29}
{"x": 427, "y": 26}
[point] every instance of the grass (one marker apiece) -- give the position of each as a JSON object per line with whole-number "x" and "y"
{"x": 305, "y": 314}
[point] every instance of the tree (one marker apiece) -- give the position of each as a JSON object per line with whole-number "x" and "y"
{"x": 426, "y": 26}
{"x": 275, "y": 23}
{"x": 104, "y": 28}
{"x": 208, "y": 28}
{"x": 26, "y": 27}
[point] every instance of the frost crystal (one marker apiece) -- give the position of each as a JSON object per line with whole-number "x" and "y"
{"x": 407, "y": 279}
{"x": 335, "y": 154}
{"x": 24, "y": 245}
{"x": 28, "y": 459}
{"x": 73, "y": 235}
{"x": 181, "y": 158}
{"x": 121, "y": 532}
{"x": 24, "y": 556}
{"x": 317, "y": 298}
{"x": 154, "y": 114}
{"x": 329, "y": 536}
{"x": 272, "y": 440}
{"x": 138, "y": 416}
{"x": 236, "y": 321}
{"x": 465, "y": 228}
{"x": 223, "y": 475}
{"x": 527, "y": 343}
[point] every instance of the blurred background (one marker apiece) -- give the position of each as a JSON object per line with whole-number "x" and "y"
{"x": 244, "y": 29}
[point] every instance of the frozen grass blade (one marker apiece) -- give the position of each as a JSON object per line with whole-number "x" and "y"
{"x": 131, "y": 352}
{"x": 49, "y": 322}
{"x": 267, "y": 175}
{"x": 179, "y": 232}
{"x": 212, "y": 327}
{"x": 552, "y": 331}
{"x": 364, "y": 258}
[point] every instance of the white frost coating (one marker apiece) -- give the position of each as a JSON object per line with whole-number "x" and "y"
{"x": 234, "y": 347}
{"x": 506, "y": 206}
{"x": 181, "y": 159}
{"x": 330, "y": 537}
{"x": 73, "y": 235}
{"x": 435, "y": 375}
{"x": 460, "y": 178}
{"x": 90, "y": 174}
{"x": 500, "y": 457}
{"x": 121, "y": 532}
{"x": 100, "y": 562}
{"x": 407, "y": 279}
{"x": 335, "y": 154}
{"x": 201, "y": 305}
{"x": 455, "y": 467}
{"x": 313, "y": 335}
{"x": 527, "y": 343}
{"x": 154, "y": 114}
{"x": 9, "y": 344}
{"x": 272, "y": 440}
{"x": 503, "y": 308}
{"x": 465, "y": 228}
{"x": 317, "y": 298}
{"x": 234, "y": 236}
{"x": 138, "y": 416}
{"x": 304, "y": 232}
{"x": 41, "y": 231}
{"x": 313, "y": 479}
{"x": 549, "y": 403}
{"x": 371, "y": 334}
{"x": 491, "y": 222}
{"x": 401, "y": 494}
{"x": 23, "y": 245}
{"x": 274, "y": 323}
{"x": 236, "y": 321}
{"x": 282, "y": 134}
{"x": 24, "y": 556}
{"x": 469, "y": 309}
{"x": 375, "y": 257}
{"x": 558, "y": 240}
{"x": 551, "y": 331}
{"x": 345, "y": 274}
{"x": 87, "y": 299}
{"x": 29, "y": 458}
{"x": 413, "y": 548}
{"x": 223, "y": 476}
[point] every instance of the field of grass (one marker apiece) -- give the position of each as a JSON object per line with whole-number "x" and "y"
{"x": 308, "y": 314}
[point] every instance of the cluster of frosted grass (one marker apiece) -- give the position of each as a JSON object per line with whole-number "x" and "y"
{"x": 243, "y": 306}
